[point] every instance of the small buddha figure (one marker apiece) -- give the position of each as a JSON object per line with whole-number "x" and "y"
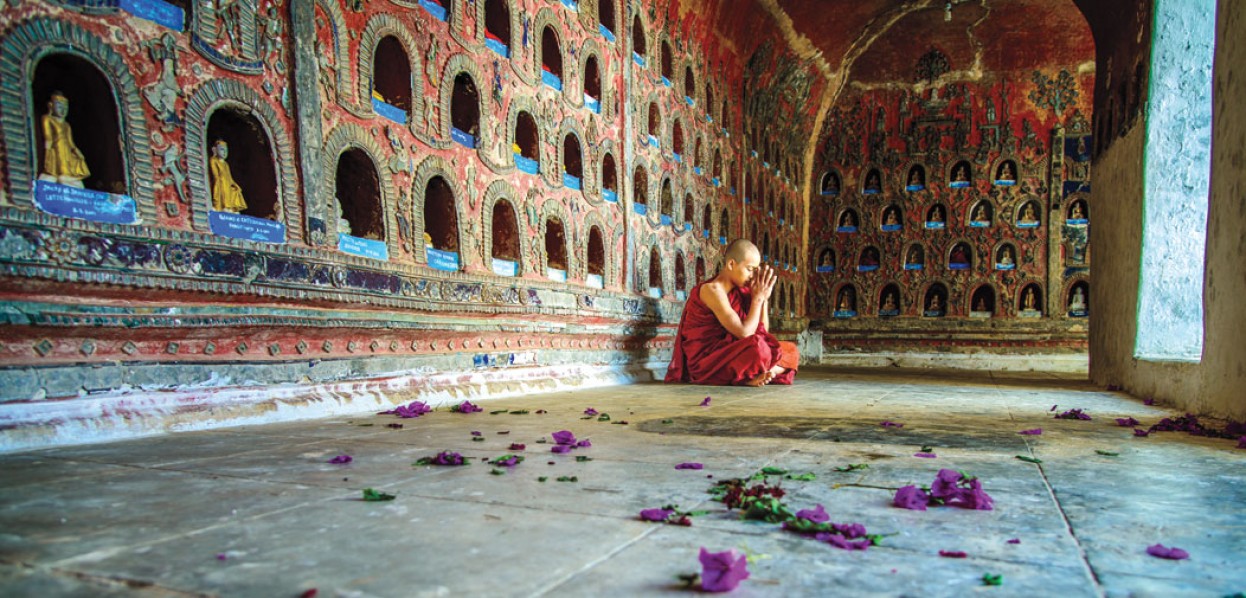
{"x": 1077, "y": 213}
{"x": 961, "y": 175}
{"x": 1028, "y": 301}
{"x": 63, "y": 162}
{"x": 936, "y": 214}
{"x": 869, "y": 257}
{"x": 979, "y": 214}
{"x": 226, "y": 194}
{"x": 1006, "y": 173}
{"x": 889, "y": 302}
{"x": 832, "y": 184}
{"x": 935, "y": 303}
{"x": 915, "y": 178}
{"x": 848, "y": 220}
{"x": 915, "y": 255}
{"x": 1005, "y": 257}
{"x": 980, "y": 305}
{"x": 1078, "y": 301}
{"x": 824, "y": 259}
{"x": 891, "y": 219}
{"x": 1027, "y": 215}
{"x": 871, "y": 183}
{"x": 428, "y": 241}
{"x": 845, "y": 301}
{"x": 343, "y": 225}
{"x": 959, "y": 255}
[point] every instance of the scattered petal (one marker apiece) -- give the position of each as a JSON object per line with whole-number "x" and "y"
{"x": 1148, "y": 401}
{"x": 1074, "y": 414}
{"x": 220, "y": 556}
{"x": 475, "y": 433}
{"x": 309, "y": 593}
{"x": 1163, "y": 552}
{"x": 1107, "y": 453}
{"x": 817, "y": 514}
{"x": 1034, "y": 432}
{"x": 341, "y": 459}
{"x": 891, "y": 424}
{"x": 466, "y": 407}
{"x": 590, "y": 411}
{"x": 705, "y": 402}
{"x": 853, "y": 467}
{"x": 1053, "y": 408}
{"x": 1015, "y": 541}
{"x": 926, "y": 455}
{"x": 1241, "y": 442}
{"x": 507, "y": 460}
{"x": 443, "y": 458}
{"x": 953, "y": 554}
{"x": 658, "y": 515}
{"x": 689, "y": 466}
{"x": 563, "y": 437}
{"x": 1127, "y": 422}
{"x": 722, "y": 571}
{"x": 583, "y": 444}
{"x": 1034, "y": 460}
{"x": 413, "y": 409}
{"x": 561, "y": 448}
{"x": 911, "y": 497}
{"x": 515, "y": 446}
{"x": 1139, "y": 432}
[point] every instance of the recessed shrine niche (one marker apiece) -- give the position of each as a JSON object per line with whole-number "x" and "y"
{"x": 718, "y": 167}
{"x": 668, "y": 202}
{"x": 1006, "y": 173}
{"x": 465, "y": 111}
{"x": 869, "y": 259}
{"x": 846, "y": 301}
{"x": 1030, "y": 301}
{"x": 655, "y": 121}
{"x": 829, "y": 185}
{"x": 506, "y": 252}
{"x": 681, "y": 276}
{"x": 391, "y": 80}
{"x": 748, "y": 188}
{"x": 90, "y": 113}
{"x": 1077, "y": 301}
{"x": 724, "y": 226}
{"x": 982, "y": 214}
{"x": 677, "y": 140}
{"x": 934, "y": 301}
{"x": 961, "y": 175}
{"x": 527, "y": 144}
{"x": 1029, "y": 215}
{"x": 707, "y": 221}
{"x": 441, "y": 225}
{"x": 709, "y": 99}
{"x": 915, "y": 257}
{"x": 1078, "y": 213}
{"x": 572, "y": 161}
{"x": 605, "y": 17}
{"x": 592, "y": 84}
{"x": 873, "y": 183}
{"x": 638, "y": 39}
{"x": 655, "y": 273}
{"x": 596, "y": 259}
{"x": 891, "y": 218}
{"x": 696, "y": 154}
{"x": 555, "y": 250}
{"x": 825, "y": 262}
{"x": 690, "y": 212}
{"x": 936, "y": 217}
{"x": 668, "y": 63}
{"x": 690, "y": 86}
{"x": 700, "y": 270}
{"x": 960, "y": 257}
{"x": 498, "y": 26}
{"x": 358, "y": 192}
{"x": 765, "y": 247}
{"x": 916, "y": 180}
{"x": 848, "y": 221}
{"x": 249, "y": 158}
{"x": 551, "y": 58}
{"x": 609, "y": 178}
{"x": 889, "y": 301}
{"x": 982, "y": 302}
{"x": 1006, "y": 257}
{"x": 640, "y": 189}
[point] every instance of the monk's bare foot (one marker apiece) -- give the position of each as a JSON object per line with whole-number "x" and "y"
{"x": 761, "y": 379}
{"x": 776, "y": 370}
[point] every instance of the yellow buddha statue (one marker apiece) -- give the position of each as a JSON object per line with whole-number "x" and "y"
{"x": 226, "y": 194}
{"x": 62, "y": 160}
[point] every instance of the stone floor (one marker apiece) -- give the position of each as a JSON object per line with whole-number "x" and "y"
{"x": 258, "y": 511}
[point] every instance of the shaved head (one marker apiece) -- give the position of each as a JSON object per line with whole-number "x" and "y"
{"x": 740, "y": 249}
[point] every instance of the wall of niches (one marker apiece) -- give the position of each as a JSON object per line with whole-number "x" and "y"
{"x": 959, "y": 207}
{"x": 429, "y": 164}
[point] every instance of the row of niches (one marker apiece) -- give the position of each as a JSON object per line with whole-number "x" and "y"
{"x": 783, "y": 298}
{"x": 978, "y": 215}
{"x": 957, "y": 256}
{"x": 653, "y": 135}
{"x": 667, "y": 212}
{"x": 960, "y": 175}
{"x": 935, "y": 301}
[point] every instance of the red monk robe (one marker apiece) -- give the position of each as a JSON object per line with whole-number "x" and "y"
{"x": 705, "y": 353}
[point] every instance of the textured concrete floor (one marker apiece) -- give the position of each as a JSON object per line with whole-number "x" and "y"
{"x": 257, "y": 511}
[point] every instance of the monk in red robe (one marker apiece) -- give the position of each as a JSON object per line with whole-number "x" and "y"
{"x": 722, "y": 337}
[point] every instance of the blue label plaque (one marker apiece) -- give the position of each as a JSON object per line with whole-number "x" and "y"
{"x": 825, "y": 269}
{"x": 389, "y": 111}
{"x": 503, "y": 267}
{"x": 156, "y": 11}
{"x": 371, "y": 248}
{"x": 571, "y": 182}
{"x": 85, "y": 204}
{"x": 241, "y": 226}
{"x": 442, "y": 260}
{"x": 551, "y": 79}
{"x": 463, "y": 138}
{"x": 609, "y": 195}
{"x": 606, "y": 33}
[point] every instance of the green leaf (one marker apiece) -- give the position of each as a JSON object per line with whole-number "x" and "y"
{"x": 1107, "y": 453}
{"x": 507, "y": 457}
{"x": 1029, "y": 459}
{"x": 520, "y": 412}
{"x": 495, "y": 412}
{"x": 366, "y": 425}
{"x": 804, "y": 477}
{"x": 583, "y": 458}
{"x": 992, "y": 579}
{"x": 668, "y": 421}
{"x": 371, "y": 495}
{"x": 853, "y": 467}
{"x": 605, "y": 417}
{"x": 496, "y": 471}
{"x": 542, "y": 479}
{"x": 927, "y": 449}
{"x": 568, "y": 478}
{"x": 478, "y": 438}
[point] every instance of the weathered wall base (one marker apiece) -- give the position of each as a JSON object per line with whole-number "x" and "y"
{"x": 980, "y": 360}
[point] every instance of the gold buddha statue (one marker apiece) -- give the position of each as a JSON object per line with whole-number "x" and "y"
{"x": 226, "y": 193}
{"x": 63, "y": 162}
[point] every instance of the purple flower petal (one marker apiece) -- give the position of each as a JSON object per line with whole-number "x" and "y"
{"x": 926, "y": 455}
{"x": 838, "y": 541}
{"x": 953, "y": 554}
{"x": 583, "y": 443}
{"x": 1015, "y": 541}
{"x": 1053, "y": 408}
{"x": 564, "y": 437}
{"x": 590, "y": 411}
{"x": 656, "y": 514}
{"x": 944, "y": 486}
{"x": 1034, "y": 432}
{"x": 815, "y": 515}
{"x": 561, "y": 448}
{"x": 466, "y": 407}
{"x": 1241, "y": 442}
{"x": 911, "y": 497}
{"x": 515, "y": 446}
{"x": 414, "y": 409}
{"x": 1174, "y": 553}
{"x": 722, "y": 571}
{"x": 340, "y": 459}
{"x": 891, "y": 424}
{"x": 705, "y": 403}
{"x": 689, "y": 466}
{"x": 1148, "y": 401}
{"x": 1126, "y": 422}
{"x": 1074, "y": 414}
{"x": 1141, "y": 433}
{"x": 475, "y": 433}
{"x": 220, "y": 556}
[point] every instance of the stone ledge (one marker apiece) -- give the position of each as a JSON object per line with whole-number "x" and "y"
{"x": 1030, "y": 362}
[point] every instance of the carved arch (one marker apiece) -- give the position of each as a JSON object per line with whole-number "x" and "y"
{"x": 434, "y": 166}
{"x": 464, "y": 63}
{"x": 499, "y": 190}
{"x": 378, "y": 28}
{"x": 346, "y": 136}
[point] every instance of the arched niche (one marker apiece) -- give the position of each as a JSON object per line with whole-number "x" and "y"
{"x": 724, "y": 225}
{"x": 1029, "y": 215}
{"x": 982, "y": 301}
{"x": 551, "y": 52}
{"x": 681, "y": 273}
{"x": 655, "y": 272}
{"x": 935, "y": 301}
{"x": 890, "y": 301}
{"x": 592, "y": 80}
{"x": 718, "y": 167}
{"x": 527, "y": 141}
{"x": 441, "y": 224}
{"x": 825, "y": 261}
{"x": 960, "y": 256}
{"x": 707, "y": 220}
{"x": 556, "y": 249}
{"x": 845, "y": 301}
{"x": 391, "y": 80}
{"x": 250, "y": 158}
{"x": 1077, "y": 299}
{"x": 465, "y": 111}
{"x": 848, "y": 221}
{"x": 572, "y": 158}
{"x": 92, "y": 117}
{"x": 916, "y": 179}
{"x": 28, "y": 43}
{"x": 639, "y": 46}
{"x": 696, "y": 153}
{"x": 699, "y": 270}
{"x": 873, "y": 182}
{"x": 505, "y": 248}
{"x": 709, "y": 100}
{"x": 981, "y": 215}
{"x": 891, "y": 218}
{"x": 869, "y": 259}
{"x": 357, "y": 187}
{"x": 668, "y": 201}
{"x": 960, "y": 175}
{"x": 690, "y": 85}
{"x": 915, "y": 257}
{"x": 1006, "y": 256}
{"x": 748, "y": 187}
{"x": 829, "y": 184}
{"x": 498, "y": 26}
{"x": 765, "y": 246}
{"x": 606, "y": 16}
{"x": 1030, "y": 300}
{"x": 936, "y": 217}
{"x": 1006, "y": 173}
{"x": 1078, "y": 212}
{"x": 668, "y": 62}
{"x": 640, "y": 186}
{"x": 655, "y": 121}
{"x": 690, "y": 211}
{"x": 596, "y": 258}
{"x": 609, "y": 178}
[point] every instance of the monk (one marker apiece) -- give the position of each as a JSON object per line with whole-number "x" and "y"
{"x": 722, "y": 337}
